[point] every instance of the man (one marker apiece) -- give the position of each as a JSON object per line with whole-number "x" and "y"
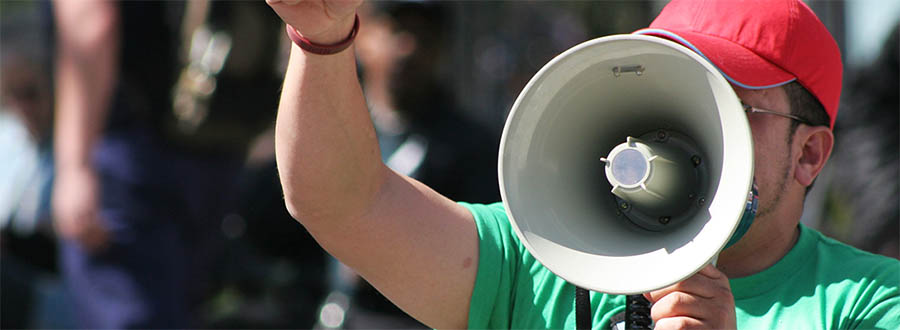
{"x": 136, "y": 206}
{"x": 455, "y": 265}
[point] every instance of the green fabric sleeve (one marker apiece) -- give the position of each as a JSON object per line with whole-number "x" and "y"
{"x": 490, "y": 304}
{"x": 514, "y": 291}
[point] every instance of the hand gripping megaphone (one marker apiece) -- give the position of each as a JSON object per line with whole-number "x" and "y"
{"x": 626, "y": 164}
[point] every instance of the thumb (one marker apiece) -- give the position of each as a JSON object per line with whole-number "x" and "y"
{"x": 288, "y": 2}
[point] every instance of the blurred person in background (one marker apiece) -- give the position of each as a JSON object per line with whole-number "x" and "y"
{"x": 32, "y": 294}
{"x": 156, "y": 104}
{"x": 27, "y": 111}
{"x": 405, "y": 75}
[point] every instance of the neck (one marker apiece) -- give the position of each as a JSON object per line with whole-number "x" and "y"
{"x": 763, "y": 246}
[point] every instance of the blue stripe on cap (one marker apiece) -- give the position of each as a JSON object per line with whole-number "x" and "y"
{"x": 692, "y": 47}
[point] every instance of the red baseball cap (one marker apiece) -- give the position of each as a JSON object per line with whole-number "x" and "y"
{"x": 758, "y": 44}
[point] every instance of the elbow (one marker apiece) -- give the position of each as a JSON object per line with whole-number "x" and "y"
{"x": 293, "y": 208}
{"x": 324, "y": 205}
{"x": 307, "y": 211}
{"x": 294, "y": 205}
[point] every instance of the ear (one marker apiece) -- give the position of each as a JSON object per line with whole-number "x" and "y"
{"x": 815, "y": 145}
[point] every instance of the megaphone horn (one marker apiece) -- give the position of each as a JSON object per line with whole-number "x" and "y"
{"x": 624, "y": 154}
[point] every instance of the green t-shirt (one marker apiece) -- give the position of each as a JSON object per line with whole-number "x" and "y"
{"x": 819, "y": 284}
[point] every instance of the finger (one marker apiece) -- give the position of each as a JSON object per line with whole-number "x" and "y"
{"x": 678, "y": 304}
{"x": 679, "y": 322}
{"x": 707, "y": 283}
{"x": 712, "y": 272}
{"x": 701, "y": 287}
{"x": 291, "y": 6}
{"x": 288, "y": 2}
{"x": 343, "y": 7}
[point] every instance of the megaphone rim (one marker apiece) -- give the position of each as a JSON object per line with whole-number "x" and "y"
{"x": 517, "y": 106}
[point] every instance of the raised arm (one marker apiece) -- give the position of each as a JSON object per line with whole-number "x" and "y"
{"x": 415, "y": 246}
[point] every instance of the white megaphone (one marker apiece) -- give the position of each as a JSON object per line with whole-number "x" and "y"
{"x": 626, "y": 164}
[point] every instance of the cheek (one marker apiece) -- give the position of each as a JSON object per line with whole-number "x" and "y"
{"x": 771, "y": 174}
{"x": 761, "y": 173}
{"x": 760, "y": 156}
{"x": 768, "y": 161}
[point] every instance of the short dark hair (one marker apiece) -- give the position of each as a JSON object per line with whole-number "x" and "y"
{"x": 806, "y": 106}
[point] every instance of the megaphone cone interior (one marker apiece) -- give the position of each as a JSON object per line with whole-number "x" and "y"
{"x": 558, "y": 146}
{"x": 655, "y": 181}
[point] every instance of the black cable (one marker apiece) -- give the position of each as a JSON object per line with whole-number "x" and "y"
{"x": 582, "y": 309}
{"x": 637, "y": 312}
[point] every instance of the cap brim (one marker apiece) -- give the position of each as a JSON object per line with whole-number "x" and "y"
{"x": 739, "y": 65}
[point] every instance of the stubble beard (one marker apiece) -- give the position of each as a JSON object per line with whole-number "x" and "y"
{"x": 777, "y": 193}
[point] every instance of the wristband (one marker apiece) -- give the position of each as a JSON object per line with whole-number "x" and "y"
{"x": 320, "y": 49}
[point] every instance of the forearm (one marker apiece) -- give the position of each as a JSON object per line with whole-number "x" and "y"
{"x": 389, "y": 228}
{"x": 327, "y": 153}
{"x": 86, "y": 70}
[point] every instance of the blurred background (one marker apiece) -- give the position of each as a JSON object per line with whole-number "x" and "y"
{"x": 180, "y": 179}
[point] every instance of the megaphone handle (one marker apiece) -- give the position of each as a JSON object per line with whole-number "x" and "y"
{"x": 637, "y": 312}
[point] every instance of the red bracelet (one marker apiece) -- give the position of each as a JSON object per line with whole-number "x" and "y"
{"x": 321, "y": 49}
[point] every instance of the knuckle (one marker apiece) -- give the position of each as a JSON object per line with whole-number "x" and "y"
{"x": 673, "y": 323}
{"x": 680, "y": 300}
{"x": 724, "y": 292}
{"x": 675, "y": 303}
